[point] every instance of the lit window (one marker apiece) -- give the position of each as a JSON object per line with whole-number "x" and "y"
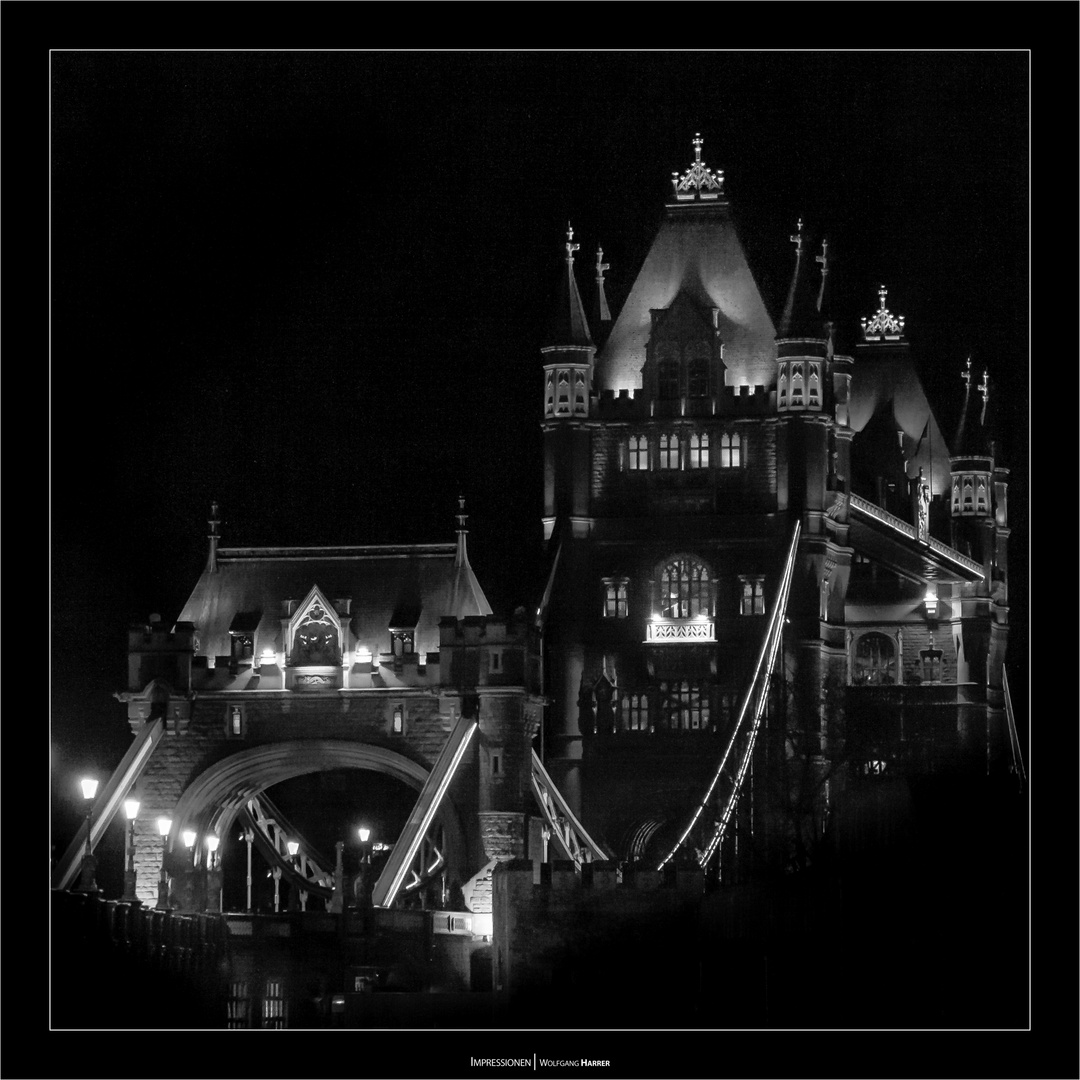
{"x": 698, "y": 457}
{"x": 752, "y": 600}
{"x": 615, "y": 606}
{"x": 398, "y": 722}
{"x": 684, "y": 589}
{"x": 549, "y": 393}
{"x": 875, "y": 661}
{"x": 783, "y": 387}
{"x": 815, "y": 398}
{"x": 274, "y": 1006}
{"x": 956, "y": 495}
{"x": 982, "y": 501}
{"x": 635, "y": 712}
{"x": 402, "y": 642}
{"x": 638, "y": 452}
{"x": 684, "y": 706}
{"x": 581, "y": 405}
{"x": 730, "y": 451}
{"x": 238, "y": 1005}
{"x": 969, "y": 495}
{"x": 698, "y": 378}
{"x": 669, "y": 452}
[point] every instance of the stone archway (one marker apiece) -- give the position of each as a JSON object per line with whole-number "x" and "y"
{"x": 214, "y": 798}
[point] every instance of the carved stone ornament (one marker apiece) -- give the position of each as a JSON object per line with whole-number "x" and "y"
{"x": 699, "y": 181}
{"x": 884, "y": 326}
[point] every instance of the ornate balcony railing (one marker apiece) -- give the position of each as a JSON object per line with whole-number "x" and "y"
{"x": 678, "y": 631}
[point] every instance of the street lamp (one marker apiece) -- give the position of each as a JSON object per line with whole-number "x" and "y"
{"x": 164, "y": 825}
{"x": 86, "y": 882}
{"x": 213, "y": 874}
{"x": 131, "y": 810}
{"x": 365, "y": 867}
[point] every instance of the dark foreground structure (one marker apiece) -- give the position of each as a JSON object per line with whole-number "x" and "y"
{"x": 748, "y": 760}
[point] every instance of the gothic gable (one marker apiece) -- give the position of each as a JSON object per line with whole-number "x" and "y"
{"x": 315, "y": 633}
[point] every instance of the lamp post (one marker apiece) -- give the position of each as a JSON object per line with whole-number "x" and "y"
{"x": 164, "y": 825}
{"x": 213, "y": 874}
{"x": 131, "y": 811}
{"x": 293, "y": 846}
{"x": 89, "y": 863}
{"x": 365, "y": 867}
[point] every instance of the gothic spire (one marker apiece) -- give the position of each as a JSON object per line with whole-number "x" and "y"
{"x": 569, "y": 326}
{"x": 466, "y": 597}
{"x": 802, "y": 316}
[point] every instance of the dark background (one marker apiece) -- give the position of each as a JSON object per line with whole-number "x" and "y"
{"x": 312, "y": 287}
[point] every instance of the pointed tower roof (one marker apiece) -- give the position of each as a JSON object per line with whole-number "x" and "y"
{"x": 696, "y": 250}
{"x": 466, "y": 598}
{"x": 802, "y": 312}
{"x": 568, "y": 325}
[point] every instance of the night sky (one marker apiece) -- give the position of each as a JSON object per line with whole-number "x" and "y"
{"x": 312, "y": 286}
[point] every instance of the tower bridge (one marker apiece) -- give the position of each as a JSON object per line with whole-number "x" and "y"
{"x": 776, "y": 605}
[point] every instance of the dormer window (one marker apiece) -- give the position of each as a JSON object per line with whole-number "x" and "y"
{"x": 402, "y": 642}
{"x": 615, "y": 602}
{"x": 667, "y": 380}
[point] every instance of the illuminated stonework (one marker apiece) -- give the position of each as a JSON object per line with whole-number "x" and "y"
{"x": 884, "y": 326}
{"x": 679, "y": 630}
{"x": 699, "y": 181}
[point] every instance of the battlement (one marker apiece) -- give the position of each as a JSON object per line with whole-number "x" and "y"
{"x": 634, "y": 405}
{"x": 563, "y": 878}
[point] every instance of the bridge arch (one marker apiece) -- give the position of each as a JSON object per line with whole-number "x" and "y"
{"x": 216, "y": 796}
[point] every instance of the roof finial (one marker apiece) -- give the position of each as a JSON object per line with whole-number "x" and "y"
{"x": 570, "y": 246}
{"x": 602, "y": 304}
{"x": 214, "y": 521}
{"x": 797, "y": 240}
{"x": 823, "y": 258}
{"x": 884, "y": 326}
{"x": 966, "y": 374}
{"x": 699, "y": 181}
{"x": 462, "y": 558}
{"x": 984, "y": 386}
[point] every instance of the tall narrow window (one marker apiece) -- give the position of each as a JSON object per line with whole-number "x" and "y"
{"x": 782, "y": 388}
{"x": 635, "y": 712}
{"x": 669, "y": 452}
{"x": 982, "y": 502}
{"x": 796, "y": 385}
{"x": 684, "y": 589}
{"x": 615, "y": 605}
{"x": 638, "y": 452}
{"x": 752, "y": 599}
{"x": 699, "y": 451}
{"x": 814, "y": 381}
{"x": 581, "y": 404}
{"x": 398, "y": 722}
{"x": 238, "y": 1005}
{"x": 667, "y": 380}
{"x": 969, "y": 495}
{"x": 730, "y": 451}
{"x": 697, "y": 378}
{"x": 549, "y": 394}
{"x": 274, "y": 1006}
{"x": 562, "y": 404}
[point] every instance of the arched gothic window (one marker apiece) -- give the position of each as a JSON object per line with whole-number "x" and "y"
{"x": 698, "y": 456}
{"x": 684, "y": 588}
{"x": 875, "y": 661}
